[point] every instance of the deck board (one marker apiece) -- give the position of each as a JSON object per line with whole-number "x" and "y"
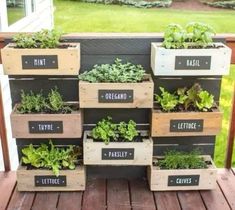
{"x": 116, "y": 194}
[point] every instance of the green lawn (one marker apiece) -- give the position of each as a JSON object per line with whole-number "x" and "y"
{"x": 74, "y": 16}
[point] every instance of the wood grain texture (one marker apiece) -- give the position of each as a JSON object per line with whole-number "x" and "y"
{"x": 212, "y": 123}
{"x": 191, "y": 200}
{"x": 68, "y": 60}
{"x": 72, "y": 124}
{"x": 214, "y": 199}
{"x": 7, "y": 183}
{"x": 93, "y": 151}
{"x": 141, "y": 197}
{"x": 76, "y": 179}
{"x": 70, "y": 200}
{"x": 158, "y": 178}
{"x": 21, "y": 200}
{"x": 167, "y": 201}
{"x": 45, "y": 201}
{"x": 118, "y": 195}
{"x": 142, "y": 94}
{"x": 95, "y": 195}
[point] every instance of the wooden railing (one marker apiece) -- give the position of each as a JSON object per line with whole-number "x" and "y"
{"x": 230, "y": 41}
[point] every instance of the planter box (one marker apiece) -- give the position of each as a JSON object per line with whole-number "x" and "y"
{"x": 117, "y": 153}
{"x": 45, "y": 180}
{"x": 182, "y": 179}
{"x": 190, "y": 62}
{"x": 46, "y": 125}
{"x": 186, "y": 123}
{"x": 116, "y": 95}
{"x": 59, "y": 61}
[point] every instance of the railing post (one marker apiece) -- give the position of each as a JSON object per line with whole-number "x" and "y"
{"x": 229, "y": 153}
{"x": 3, "y": 136}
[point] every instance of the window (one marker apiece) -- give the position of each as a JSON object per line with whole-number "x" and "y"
{"x": 16, "y": 10}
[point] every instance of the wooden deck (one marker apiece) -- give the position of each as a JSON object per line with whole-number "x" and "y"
{"x": 119, "y": 195}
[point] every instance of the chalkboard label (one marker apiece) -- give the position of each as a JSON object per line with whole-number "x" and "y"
{"x": 192, "y": 62}
{"x": 184, "y": 180}
{"x": 115, "y": 96}
{"x": 45, "y": 127}
{"x": 39, "y": 62}
{"x": 50, "y": 181}
{"x": 186, "y": 125}
{"x": 118, "y": 154}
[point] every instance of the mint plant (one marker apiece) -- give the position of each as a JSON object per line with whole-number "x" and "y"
{"x": 184, "y": 99}
{"x": 182, "y": 160}
{"x": 51, "y": 157}
{"x": 106, "y": 130}
{"x": 116, "y": 72}
{"x": 195, "y": 35}
{"x": 42, "y": 39}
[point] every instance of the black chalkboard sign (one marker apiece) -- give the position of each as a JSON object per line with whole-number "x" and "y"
{"x": 115, "y": 96}
{"x": 45, "y": 127}
{"x": 192, "y": 62}
{"x": 186, "y": 125}
{"x": 50, "y": 181}
{"x": 118, "y": 153}
{"x": 39, "y": 62}
{"x": 183, "y": 180}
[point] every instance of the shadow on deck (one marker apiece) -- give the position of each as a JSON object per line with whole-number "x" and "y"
{"x": 119, "y": 194}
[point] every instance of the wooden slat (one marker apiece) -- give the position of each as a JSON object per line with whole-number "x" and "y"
{"x": 118, "y": 195}
{"x": 21, "y": 200}
{"x": 70, "y": 200}
{"x": 226, "y": 181}
{"x": 95, "y": 195}
{"x": 191, "y": 200}
{"x": 141, "y": 197}
{"x": 214, "y": 199}
{"x": 167, "y": 201}
{"x": 7, "y": 184}
{"x": 45, "y": 201}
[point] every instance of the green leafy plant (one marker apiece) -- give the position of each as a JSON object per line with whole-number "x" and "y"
{"x": 42, "y": 39}
{"x": 37, "y": 103}
{"x": 51, "y": 157}
{"x": 182, "y": 160}
{"x": 166, "y": 100}
{"x": 107, "y": 131}
{"x": 184, "y": 99}
{"x": 116, "y": 72}
{"x": 196, "y": 35}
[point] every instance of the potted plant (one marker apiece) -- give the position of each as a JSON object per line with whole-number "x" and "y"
{"x": 185, "y": 112}
{"x": 41, "y": 53}
{"x": 182, "y": 171}
{"x": 189, "y": 51}
{"x": 51, "y": 168}
{"x": 117, "y": 85}
{"x": 117, "y": 144}
{"x": 37, "y": 116}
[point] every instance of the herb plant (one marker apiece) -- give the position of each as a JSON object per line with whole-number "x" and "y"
{"x": 182, "y": 160}
{"x": 51, "y": 157}
{"x": 37, "y": 103}
{"x": 107, "y": 131}
{"x": 184, "y": 99}
{"x": 196, "y": 35}
{"x": 116, "y": 72}
{"x": 42, "y": 39}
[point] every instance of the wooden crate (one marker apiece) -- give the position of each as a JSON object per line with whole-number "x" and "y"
{"x": 60, "y": 61}
{"x": 186, "y": 123}
{"x": 46, "y": 125}
{"x": 116, "y": 95}
{"x": 182, "y": 179}
{"x": 117, "y": 153}
{"x": 190, "y": 62}
{"x": 45, "y": 180}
